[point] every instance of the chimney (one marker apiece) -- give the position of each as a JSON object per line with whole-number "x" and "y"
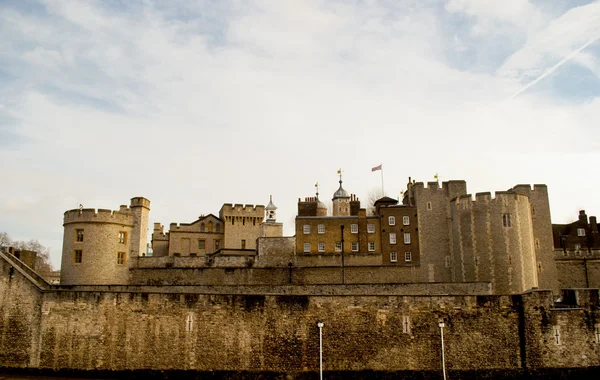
{"x": 583, "y": 217}
{"x": 594, "y": 224}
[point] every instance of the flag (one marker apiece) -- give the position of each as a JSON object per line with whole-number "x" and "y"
{"x": 376, "y": 168}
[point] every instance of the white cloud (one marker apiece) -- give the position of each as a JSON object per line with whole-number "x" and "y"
{"x": 236, "y": 103}
{"x": 556, "y": 40}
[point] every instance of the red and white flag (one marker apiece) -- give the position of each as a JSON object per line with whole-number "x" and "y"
{"x": 376, "y": 168}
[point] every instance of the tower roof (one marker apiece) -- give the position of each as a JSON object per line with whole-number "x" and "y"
{"x": 271, "y": 206}
{"x": 341, "y": 193}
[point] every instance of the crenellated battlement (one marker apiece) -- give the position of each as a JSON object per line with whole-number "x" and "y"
{"x": 90, "y": 215}
{"x": 242, "y": 210}
{"x": 527, "y": 189}
{"x": 140, "y": 202}
{"x": 486, "y": 199}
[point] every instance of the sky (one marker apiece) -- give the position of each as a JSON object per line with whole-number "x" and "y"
{"x": 193, "y": 104}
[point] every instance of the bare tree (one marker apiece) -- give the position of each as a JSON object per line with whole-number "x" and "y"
{"x": 4, "y": 240}
{"x": 373, "y": 196}
{"x": 42, "y": 263}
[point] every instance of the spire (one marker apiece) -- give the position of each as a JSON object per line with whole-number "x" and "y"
{"x": 340, "y": 193}
{"x": 270, "y": 210}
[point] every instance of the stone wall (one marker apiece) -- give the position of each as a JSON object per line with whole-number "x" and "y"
{"x": 130, "y": 328}
{"x": 244, "y": 275}
{"x": 542, "y": 230}
{"x": 493, "y": 241}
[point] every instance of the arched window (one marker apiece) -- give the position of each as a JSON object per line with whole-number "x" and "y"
{"x": 210, "y": 226}
{"x": 201, "y": 227}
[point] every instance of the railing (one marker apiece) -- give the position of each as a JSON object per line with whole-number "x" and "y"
{"x": 26, "y": 271}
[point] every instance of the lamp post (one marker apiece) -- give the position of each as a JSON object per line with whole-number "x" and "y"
{"x": 320, "y": 325}
{"x": 343, "y": 277}
{"x": 442, "y": 325}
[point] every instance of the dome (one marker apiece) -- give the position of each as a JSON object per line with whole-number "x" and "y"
{"x": 321, "y": 204}
{"x": 271, "y": 206}
{"x": 341, "y": 193}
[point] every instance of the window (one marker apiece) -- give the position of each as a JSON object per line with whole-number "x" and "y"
{"x": 506, "y": 220}
{"x": 580, "y": 232}
{"x": 428, "y": 205}
{"x": 321, "y": 247}
{"x": 354, "y": 246}
{"x": 539, "y": 266}
{"x": 537, "y": 243}
{"x": 448, "y": 261}
{"x": 371, "y": 246}
{"x": 78, "y": 256}
{"x": 217, "y": 245}
{"x": 306, "y": 229}
{"x": 407, "y": 238}
{"x": 408, "y": 257}
{"x": 218, "y": 227}
{"x": 210, "y": 226}
{"x": 202, "y": 228}
{"x": 189, "y": 323}
{"x": 406, "y": 324}
{"x": 320, "y": 229}
{"x": 405, "y": 220}
{"x": 392, "y": 220}
{"x": 392, "y": 238}
{"x": 354, "y": 228}
{"x": 557, "y": 335}
{"x": 371, "y": 228}
{"x": 120, "y": 258}
{"x": 393, "y": 257}
{"x": 243, "y": 244}
{"x": 79, "y": 235}
{"x": 122, "y": 237}
{"x": 306, "y": 247}
{"x": 202, "y": 244}
{"x": 338, "y": 246}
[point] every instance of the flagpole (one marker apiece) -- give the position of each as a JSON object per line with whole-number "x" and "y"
{"x": 382, "y": 188}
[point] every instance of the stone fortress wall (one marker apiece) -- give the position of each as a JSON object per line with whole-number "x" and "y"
{"x": 138, "y": 328}
{"x": 493, "y": 240}
{"x": 506, "y": 239}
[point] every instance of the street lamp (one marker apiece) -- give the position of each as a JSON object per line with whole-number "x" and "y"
{"x": 343, "y": 277}
{"x": 442, "y": 325}
{"x": 320, "y": 325}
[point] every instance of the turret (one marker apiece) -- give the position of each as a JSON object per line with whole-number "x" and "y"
{"x": 341, "y": 200}
{"x": 271, "y": 215}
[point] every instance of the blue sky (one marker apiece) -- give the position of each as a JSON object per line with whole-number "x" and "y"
{"x": 194, "y": 104}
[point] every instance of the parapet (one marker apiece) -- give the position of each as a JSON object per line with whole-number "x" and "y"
{"x": 90, "y": 215}
{"x": 485, "y": 198}
{"x": 452, "y": 188}
{"x": 140, "y": 202}
{"x": 526, "y": 189}
{"x": 242, "y": 210}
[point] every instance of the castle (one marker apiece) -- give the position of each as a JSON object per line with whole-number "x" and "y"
{"x": 227, "y": 294}
{"x": 437, "y": 234}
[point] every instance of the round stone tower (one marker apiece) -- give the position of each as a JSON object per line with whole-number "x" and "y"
{"x": 97, "y": 244}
